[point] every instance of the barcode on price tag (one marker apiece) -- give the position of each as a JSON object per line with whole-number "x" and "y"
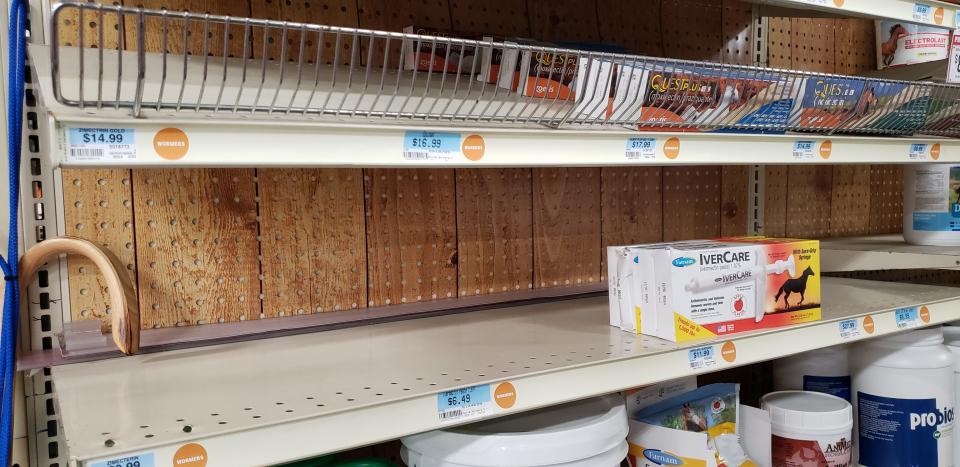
{"x": 431, "y": 146}
{"x": 641, "y": 148}
{"x": 101, "y": 144}
{"x": 922, "y": 13}
{"x": 139, "y": 460}
{"x": 802, "y": 150}
{"x": 702, "y": 357}
{"x": 464, "y": 404}
{"x": 816, "y": 2}
{"x": 918, "y": 151}
{"x": 906, "y": 317}
{"x": 850, "y": 329}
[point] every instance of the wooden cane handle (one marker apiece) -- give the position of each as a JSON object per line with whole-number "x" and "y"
{"x": 123, "y": 297}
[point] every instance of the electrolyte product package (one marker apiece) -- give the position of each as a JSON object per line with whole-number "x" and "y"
{"x": 700, "y": 289}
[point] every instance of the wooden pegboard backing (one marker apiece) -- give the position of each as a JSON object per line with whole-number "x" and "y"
{"x": 505, "y": 18}
{"x": 68, "y": 35}
{"x": 566, "y": 226}
{"x": 100, "y": 207}
{"x": 564, "y": 20}
{"x": 153, "y": 37}
{"x": 812, "y": 44}
{"x": 494, "y": 230}
{"x": 329, "y": 12}
{"x": 779, "y": 40}
{"x": 850, "y": 203}
{"x": 394, "y": 15}
{"x": 632, "y": 207}
{"x": 737, "y": 30}
{"x": 886, "y": 199}
{"x": 734, "y": 202}
{"x": 809, "y": 196}
{"x": 691, "y": 202}
{"x": 196, "y": 246}
{"x": 775, "y": 200}
{"x": 621, "y": 25}
{"x": 856, "y": 48}
{"x": 411, "y": 235}
{"x": 692, "y": 29}
{"x": 312, "y": 240}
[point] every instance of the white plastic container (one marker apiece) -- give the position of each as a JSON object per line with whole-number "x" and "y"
{"x": 931, "y": 214}
{"x": 590, "y": 433}
{"x": 809, "y": 428}
{"x": 951, "y": 337}
{"x": 825, "y": 370}
{"x": 903, "y": 396}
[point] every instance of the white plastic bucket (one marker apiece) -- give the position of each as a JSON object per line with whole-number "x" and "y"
{"x": 590, "y": 433}
{"x": 809, "y": 428}
{"x": 825, "y": 370}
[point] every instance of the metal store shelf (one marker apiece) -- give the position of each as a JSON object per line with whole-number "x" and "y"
{"x": 276, "y": 400}
{"x": 929, "y": 12}
{"x": 885, "y": 252}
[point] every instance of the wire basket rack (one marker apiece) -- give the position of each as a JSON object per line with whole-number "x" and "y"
{"x": 160, "y": 62}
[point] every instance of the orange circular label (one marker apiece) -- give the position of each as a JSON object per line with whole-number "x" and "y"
{"x": 838, "y": 3}
{"x": 925, "y": 314}
{"x": 505, "y": 395}
{"x": 938, "y": 15}
{"x": 473, "y": 147}
{"x": 190, "y": 455}
{"x": 671, "y": 148}
{"x": 728, "y": 351}
{"x": 171, "y": 143}
{"x": 935, "y": 151}
{"x": 868, "y": 325}
{"x": 826, "y": 147}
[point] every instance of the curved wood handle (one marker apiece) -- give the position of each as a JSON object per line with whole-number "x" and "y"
{"x": 123, "y": 297}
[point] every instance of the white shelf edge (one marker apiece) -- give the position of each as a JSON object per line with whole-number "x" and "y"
{"x": 291, "y": 437}
{"x": 875, "y": 252}
{"x": 897, "y": 10}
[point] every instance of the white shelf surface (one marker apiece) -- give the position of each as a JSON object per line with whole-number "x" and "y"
{"x": 275, "y": 400}
{"x": 941, "y": 14}
{"x": 884, "y": 252}
{"x": 280, "y": 140}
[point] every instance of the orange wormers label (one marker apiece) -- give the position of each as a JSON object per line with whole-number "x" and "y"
{"x": 190, "y": 455}
{"x": 729, "y": 351}
{"x": 505, "y": 395}
{"x": 473, "y": 147}
{"x": 171, "y": 143}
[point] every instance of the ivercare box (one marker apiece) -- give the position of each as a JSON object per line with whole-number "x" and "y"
{"x": 700, "y": 289}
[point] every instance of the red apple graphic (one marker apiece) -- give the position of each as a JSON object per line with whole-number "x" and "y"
{"x": 738, "y": 305}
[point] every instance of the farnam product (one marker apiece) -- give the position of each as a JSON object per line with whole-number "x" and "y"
{"x": 903, "y": 397}
{"x": 698, "y": 98}
{"x": 931, "y": 210}
{"x": 700, "y": 289}
{"x": 829, "y": 102}
{"x": 890, "y": 107}
{"x": 590, "y": 433}
{"x": 900, "y": 43}
{"x": 825, "y": 370}
{"x": 809, "y": 428}
{"x": 951, "y": 337}
{"x": 429, "y": 55}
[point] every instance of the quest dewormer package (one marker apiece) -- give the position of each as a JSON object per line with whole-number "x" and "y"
{"x": 700, "y": 289}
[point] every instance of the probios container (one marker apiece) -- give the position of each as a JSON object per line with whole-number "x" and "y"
{"x": 931, "y": 212}
{"x": 809, "y": 428}
{"x": 590, "y": 433}
{"x": 825, "y": 370}
{"x": 951, "y": 337}
{"x": 903, "y": 389}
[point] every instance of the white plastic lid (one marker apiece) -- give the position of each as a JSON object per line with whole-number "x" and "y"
{"x": 926, "y": 336}
{"x": 806, "y": 410}
{"x": 951, "y": 335}
{"x": 554, "y": 435}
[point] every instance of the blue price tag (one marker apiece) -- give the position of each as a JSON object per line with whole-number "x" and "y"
{"x": 922, "y": 12}
{"x": 139, "y": 460}
{"x": 907, "y": 317}
{"x": 803, "y": 150}
{"x": 956, "y": 19}
{"x": 849, "y": 329}
{"x": 425, "y": 146}
{"x": 641, "y": 148}
{"x": 464, "y": 404}
{"x": 702, "y": 357}
{"x": 918, "y": 151}
{"x": 99, "y": 144}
